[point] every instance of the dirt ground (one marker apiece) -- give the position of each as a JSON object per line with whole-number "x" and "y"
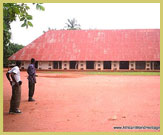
{"x": 74, "y": 102}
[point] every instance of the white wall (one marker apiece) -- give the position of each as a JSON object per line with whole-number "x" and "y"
{"x": 82, "y": 65}
{"x": 115, "y": 65}
{"x": 148, "y": 65}
{"x": 45, "y": 65}
{"x": 65, "y": 65}
{"x": 132, "y": 65}
{"x": 25, "y": 64}
{"x": 99, "y": 65}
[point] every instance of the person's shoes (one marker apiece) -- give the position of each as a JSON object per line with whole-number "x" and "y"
{"x": 17, "y": 111}
{"x": 14, "y": 112}
{"x": 11, "y": 112}
{"x": 31, "y": 100}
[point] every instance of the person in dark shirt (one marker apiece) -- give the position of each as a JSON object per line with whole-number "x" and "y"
{"x": 31, "y": 79}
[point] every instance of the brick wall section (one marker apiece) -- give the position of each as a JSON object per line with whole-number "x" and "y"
{"x": 99, "y": 65}
{"x": 25, "y": 64}
{"x": 132, "y": 65}
{"x": 82, "y": 65}
{"x": 115, "y": 65}
{"x": 65, "y": 65}
{"x": 148, "y": 65}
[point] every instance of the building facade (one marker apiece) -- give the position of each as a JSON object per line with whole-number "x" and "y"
{"x": 101, "y": 50}
{"x": 95, "y": 65}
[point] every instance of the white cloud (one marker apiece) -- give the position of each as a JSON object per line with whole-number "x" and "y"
{"x": 89, "y": 16}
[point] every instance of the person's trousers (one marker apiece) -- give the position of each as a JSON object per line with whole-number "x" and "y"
{"x": 31, "y": 87}
{"x": 15, "y": 98}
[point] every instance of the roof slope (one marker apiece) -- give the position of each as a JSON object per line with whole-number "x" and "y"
{"x": 96, "y": 45}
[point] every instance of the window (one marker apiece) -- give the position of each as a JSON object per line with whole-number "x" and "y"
{"x": 124, "y": 64}
{"x": 107, "y": 64}
{"x": 90, "y": 64}
{"x": 132, "y": 65}
{"x": 81, "y": 65}
{"x": 49, "y": 63}
{"x": 140, "y": 65}
{"x": 99, "y": 65}
{"x": 65, "y": 65}
{"x": 114, "y": 65}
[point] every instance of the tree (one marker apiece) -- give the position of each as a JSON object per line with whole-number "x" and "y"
{"x": 72, "y": 24}
{"x": 12, "y": 11}
{"x": 13, "y": 48}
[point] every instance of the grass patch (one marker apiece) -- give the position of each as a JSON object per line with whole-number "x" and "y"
{"x": 52, "y": 72}
{"x": 123, "y": 73}
{"x": 103, "y": 73}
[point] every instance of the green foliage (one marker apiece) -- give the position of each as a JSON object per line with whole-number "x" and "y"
{"x": 11, "y": 12}
{"x": 72, "y": 24}
{"x": 13, "y": 48}
{"x": 39, "y": 7}
{"x": 10, "y": 50}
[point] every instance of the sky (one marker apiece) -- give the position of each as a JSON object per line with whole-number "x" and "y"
{"x": 89, "y": 16}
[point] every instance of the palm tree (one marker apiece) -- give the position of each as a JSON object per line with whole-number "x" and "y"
{"x": 72, "y": 24}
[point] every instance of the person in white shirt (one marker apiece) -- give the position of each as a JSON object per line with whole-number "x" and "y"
{"x": 13, "y": 76}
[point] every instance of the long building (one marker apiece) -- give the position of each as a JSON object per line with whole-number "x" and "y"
{"x": 133, "y": 49}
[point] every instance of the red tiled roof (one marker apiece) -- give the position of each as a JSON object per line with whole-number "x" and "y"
{"x": 96, "y": 45}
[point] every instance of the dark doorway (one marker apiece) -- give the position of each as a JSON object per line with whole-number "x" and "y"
{"x": 73, "y": 65}
{"x": 107, "y": 64}
{"x": 57, "y": 65}
{"x": 140, "y": 64}
{"x": 156, "y": 65}
{"x": 36, "y": 64}
{"x": 124, "y": 65}
{"x": 90, "y": 64}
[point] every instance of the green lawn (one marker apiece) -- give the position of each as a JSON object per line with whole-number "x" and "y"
{"x": 104, "y": 73}
{"x": 123, "y": 73}
{"x": 55, "y": 72}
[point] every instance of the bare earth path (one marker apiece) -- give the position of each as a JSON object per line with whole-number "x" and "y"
{"x": 73, "y": 102}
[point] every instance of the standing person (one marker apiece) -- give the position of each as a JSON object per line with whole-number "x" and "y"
{"x": 31, "y": 79}
{"x": 13, "y": 76}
